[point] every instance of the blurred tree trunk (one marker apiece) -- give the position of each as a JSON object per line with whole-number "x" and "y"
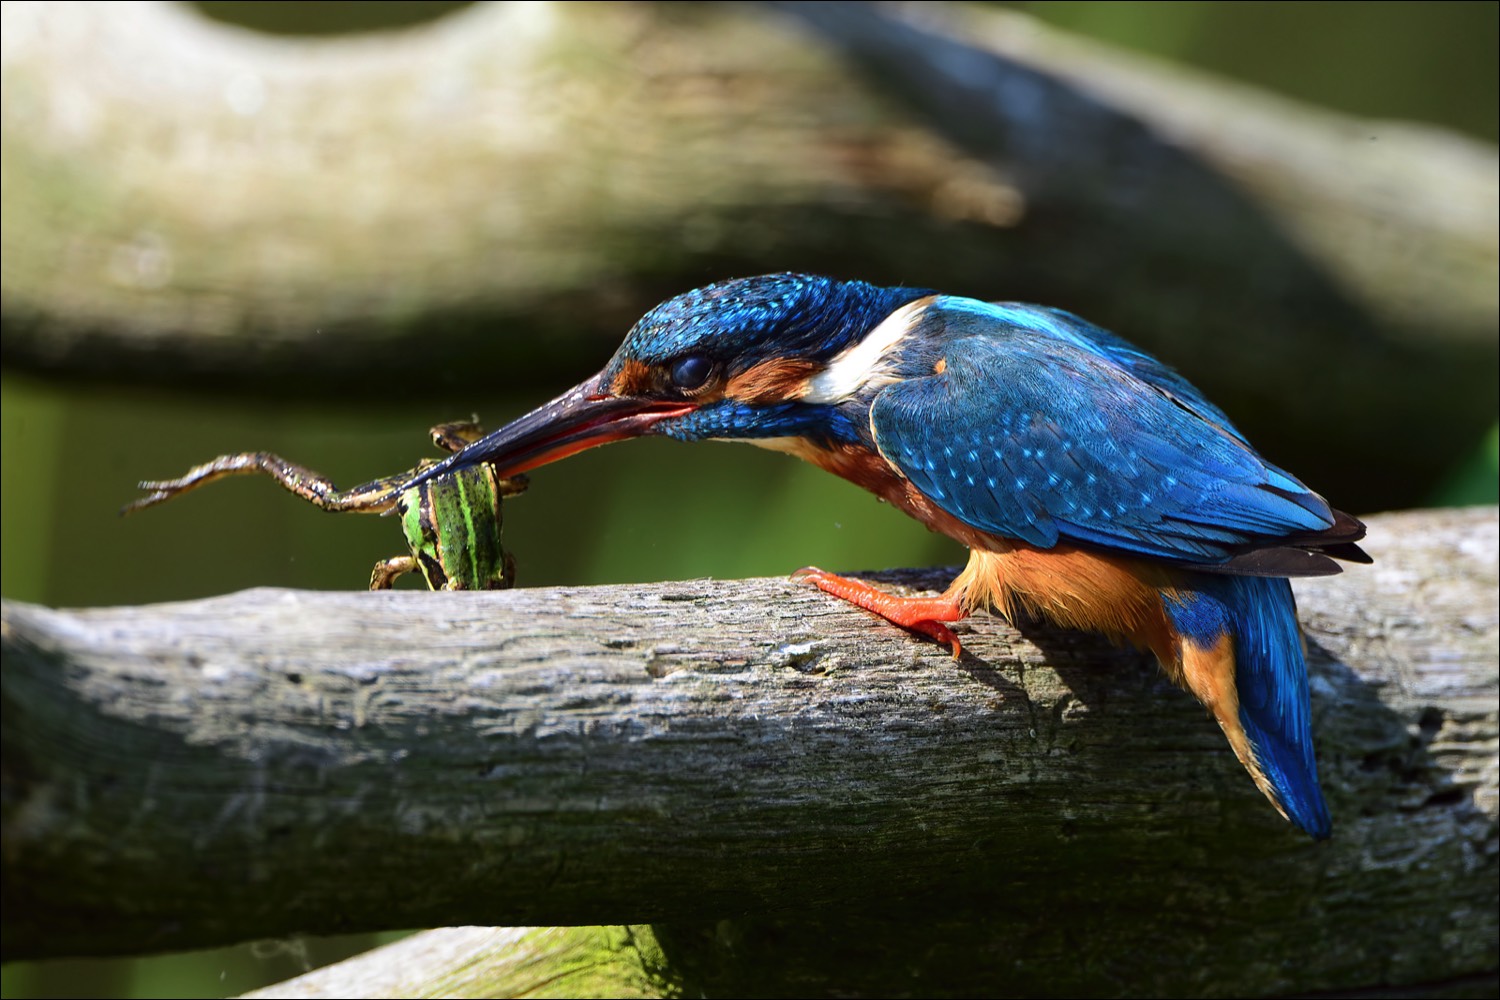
{"x": 502, "y": 192}
{"x": 798, "y": 799}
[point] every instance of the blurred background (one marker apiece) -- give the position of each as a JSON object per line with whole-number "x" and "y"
{"x": 315, "y": 353}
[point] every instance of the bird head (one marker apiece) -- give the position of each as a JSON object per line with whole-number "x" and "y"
{"x": 775, "y": 356}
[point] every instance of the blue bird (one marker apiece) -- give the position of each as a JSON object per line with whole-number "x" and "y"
{"x": 1094, "y": 486}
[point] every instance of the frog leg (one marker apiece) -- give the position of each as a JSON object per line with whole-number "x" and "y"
{"x": 371, "y": 498}
{"x": 387, "y": 570}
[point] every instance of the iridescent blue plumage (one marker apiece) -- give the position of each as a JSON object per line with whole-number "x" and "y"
{"x": 1042, "y": 427}
{"x": 1270, "y": 680}
{"x": 1068, "y": 328}
{"x": 748, "y": 320}
{"x": 827, "y": 426}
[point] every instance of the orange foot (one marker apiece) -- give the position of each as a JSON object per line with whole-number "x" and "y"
{"x": 920, "y": 614}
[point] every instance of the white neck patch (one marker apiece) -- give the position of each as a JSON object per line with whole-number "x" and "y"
{"x": 862, "y": 364}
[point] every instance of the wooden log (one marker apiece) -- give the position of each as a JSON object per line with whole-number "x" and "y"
{"x": 1047, "y": 810}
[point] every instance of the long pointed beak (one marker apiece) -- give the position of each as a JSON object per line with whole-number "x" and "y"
{"x": 583, "y": 417}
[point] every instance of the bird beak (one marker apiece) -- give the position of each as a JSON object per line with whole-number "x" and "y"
{"x": 583, "y": 417}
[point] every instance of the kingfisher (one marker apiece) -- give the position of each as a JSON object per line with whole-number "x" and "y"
{"x": 1095, "y": 487}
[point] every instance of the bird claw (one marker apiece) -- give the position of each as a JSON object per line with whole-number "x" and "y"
{"x": 924, "y": 615}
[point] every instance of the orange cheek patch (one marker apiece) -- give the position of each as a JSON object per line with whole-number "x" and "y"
{"x": 633, "y": 380}
{"x": 779, "y": 378}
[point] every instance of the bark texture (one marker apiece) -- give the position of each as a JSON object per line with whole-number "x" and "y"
{"x": 799, "y": 799}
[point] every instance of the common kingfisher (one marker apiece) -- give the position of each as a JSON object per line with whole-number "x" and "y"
{"x": 1094, "y": 486}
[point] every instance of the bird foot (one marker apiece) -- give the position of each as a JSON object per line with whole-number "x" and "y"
{"x": 920, "y": 614}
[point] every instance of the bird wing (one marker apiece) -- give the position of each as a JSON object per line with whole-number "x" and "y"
{"x": 1038, "y": 426}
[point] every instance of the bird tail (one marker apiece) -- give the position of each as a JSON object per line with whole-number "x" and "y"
{"x": 1242, "y": 655}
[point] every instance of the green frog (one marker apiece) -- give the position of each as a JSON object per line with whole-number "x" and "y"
{"x": 452, "y": 523}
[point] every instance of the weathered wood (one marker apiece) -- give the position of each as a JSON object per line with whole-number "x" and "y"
{"x": 1172, "y": 164}
{"x": 1047, "y": 812}
{"x": 506, "y": 190}
{"x": 376, "y": 160}
{"x": 604, "y": 962}
{"x": 500, "y": 187}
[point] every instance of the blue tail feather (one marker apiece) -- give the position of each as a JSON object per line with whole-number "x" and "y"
{"x": 1270, "y": 680}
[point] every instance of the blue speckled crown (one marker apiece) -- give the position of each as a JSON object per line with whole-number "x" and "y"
{"x": 752, "y": 319}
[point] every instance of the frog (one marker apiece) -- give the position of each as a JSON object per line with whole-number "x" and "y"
{"x": 452, "y": 523}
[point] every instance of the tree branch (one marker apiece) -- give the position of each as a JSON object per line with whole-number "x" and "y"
{"x": 191, "y": 203}
{"x": 618, "y": 962}
{"x": 273, "y": 762}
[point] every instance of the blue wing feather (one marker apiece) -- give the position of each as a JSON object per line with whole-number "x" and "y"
{"x": 1043, "y": 427}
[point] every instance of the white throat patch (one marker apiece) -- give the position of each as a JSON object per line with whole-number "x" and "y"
{"x": 863, "y": 364}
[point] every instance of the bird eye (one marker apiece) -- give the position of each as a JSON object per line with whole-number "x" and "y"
{"x": 691, "y": 372}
